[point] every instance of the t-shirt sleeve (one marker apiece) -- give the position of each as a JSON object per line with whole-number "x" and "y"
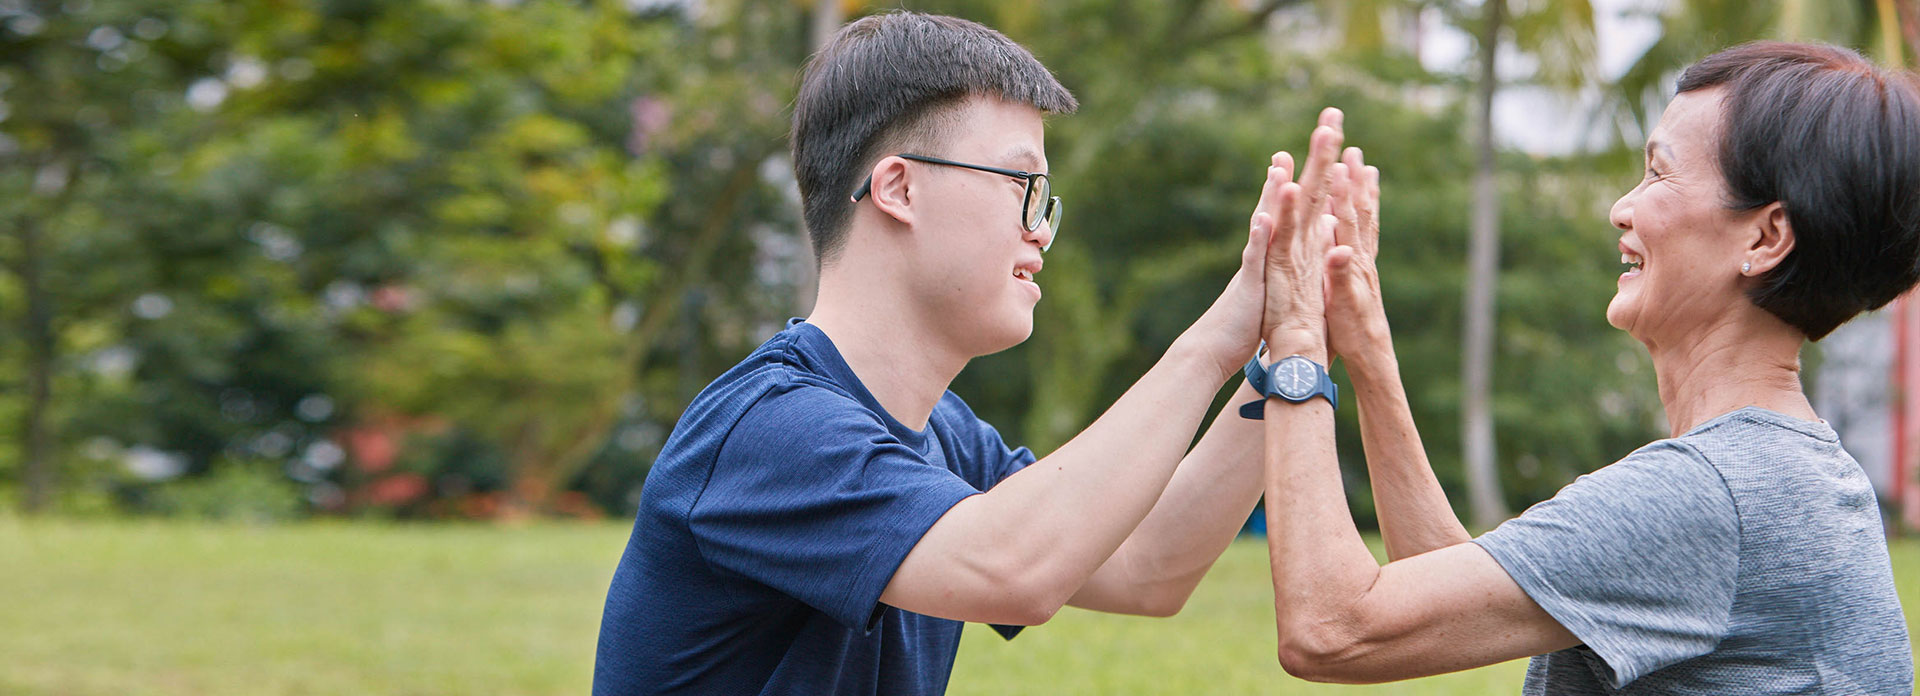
{"x": 984, "y": 456}
{"x": 812, "y": 496}
{"x": 1001, "y": 461}
{"x": 983, "y": 450}
{"x": 1639, "y": 560}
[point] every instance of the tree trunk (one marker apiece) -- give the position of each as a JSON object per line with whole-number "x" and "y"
{"x": 37, "y": 328}
{"x": 1888, "y": 22}
{"x": 1483, "y": 271}
{"x": 828, "y": 15}
{"x": 1908, "y": 12}
{"x": 1795, "y": 23}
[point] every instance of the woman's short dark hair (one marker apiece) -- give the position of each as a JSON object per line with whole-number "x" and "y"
{"x": 884, "y": 83}
{"x": 1836, "y": 140}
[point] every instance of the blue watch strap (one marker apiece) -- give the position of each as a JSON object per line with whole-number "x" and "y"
{"x": 1257, "y": 379}
{"x": 1256, "y": 375}
{"x": 1254, "y": 410}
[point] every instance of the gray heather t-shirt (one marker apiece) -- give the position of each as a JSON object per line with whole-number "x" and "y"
{"x": 1746, "y": 556}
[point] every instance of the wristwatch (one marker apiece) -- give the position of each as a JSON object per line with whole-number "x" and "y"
{"x": 1295, "y": 378}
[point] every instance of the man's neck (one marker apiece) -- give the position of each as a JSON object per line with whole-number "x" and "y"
{"x": 898, "y": 356}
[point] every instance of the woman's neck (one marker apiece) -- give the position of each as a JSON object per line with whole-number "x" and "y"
{"x": 1740, "y": 362}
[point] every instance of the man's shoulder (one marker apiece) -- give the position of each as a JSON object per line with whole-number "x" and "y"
{"x": 799, "y": 407}
{"x": 777, "y": 370}
{"x": 768, "y": 401}
{"x": 774, "y": 395}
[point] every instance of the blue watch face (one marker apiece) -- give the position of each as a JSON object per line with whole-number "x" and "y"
{"x": 1295, "y": 377}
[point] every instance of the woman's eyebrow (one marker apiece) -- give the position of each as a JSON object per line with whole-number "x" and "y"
{"x": 1662, "y": 146}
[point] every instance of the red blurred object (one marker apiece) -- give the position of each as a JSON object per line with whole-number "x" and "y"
{"x": 481, "y": 506}
{"x": 575, "y": 504}
{"x": 1906, "y": 413}
{"x": 372, "y": 447}
{"x": 396, "y": 490}
{"x": 374, "y": 443}
{"x": 393, "y": 299}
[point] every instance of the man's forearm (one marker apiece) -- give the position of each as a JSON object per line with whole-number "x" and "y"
{"x": 1412, "y": 507}
{"x": 1203, "y": 509}
{"x": 1016, "y": 553}
{"x": 1089, "y": 495}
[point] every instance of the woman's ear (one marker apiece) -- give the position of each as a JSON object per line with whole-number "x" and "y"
{"x": 892, "y": 191}
{"x": 1772, "y": 240}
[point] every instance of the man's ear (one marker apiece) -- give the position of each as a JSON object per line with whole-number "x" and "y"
{"x": 892, "y": 192}
{"x": 1772, "y": 239}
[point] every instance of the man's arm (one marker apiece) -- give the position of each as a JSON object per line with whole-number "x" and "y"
{"x": 1049, "y": 534}
{"x": 1014, "y": 554}
{"x": 1340, "y": 615}
{"x": 1205, "y": 505}
{"x": 1217, "y": 484}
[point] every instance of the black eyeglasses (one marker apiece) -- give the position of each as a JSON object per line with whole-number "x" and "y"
{"x": 1037, "y": 204}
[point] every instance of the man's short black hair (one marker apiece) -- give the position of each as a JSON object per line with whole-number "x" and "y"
{"x": 888, "y": 82}
{"x": 1836, "y": 140}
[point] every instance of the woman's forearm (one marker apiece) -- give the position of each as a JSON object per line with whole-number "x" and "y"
{"x": 1321, "y": 567}
{"x": 1412, "y": 508}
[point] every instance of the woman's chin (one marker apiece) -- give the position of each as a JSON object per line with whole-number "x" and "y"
{"x": 1620, "y": 315}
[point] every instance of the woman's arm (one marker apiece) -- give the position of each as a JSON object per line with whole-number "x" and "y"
{"x": 1412, "y": 508}
{"x": 1340, "y": 615}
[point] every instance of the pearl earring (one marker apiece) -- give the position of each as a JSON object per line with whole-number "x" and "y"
{"x": 1746, "y": 268}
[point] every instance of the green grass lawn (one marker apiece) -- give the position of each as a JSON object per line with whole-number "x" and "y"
{"x": 360, "y": 608}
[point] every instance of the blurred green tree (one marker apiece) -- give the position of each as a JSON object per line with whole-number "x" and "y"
{"x": 291, "y": 219}
{"x": 82, "y": 90}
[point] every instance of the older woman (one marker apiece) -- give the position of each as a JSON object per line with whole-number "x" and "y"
{"x": 1745, "y": 553}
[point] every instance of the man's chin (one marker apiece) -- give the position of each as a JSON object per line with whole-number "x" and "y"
{"x": 1006, "y": 336}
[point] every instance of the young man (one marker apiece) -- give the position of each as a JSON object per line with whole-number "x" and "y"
{"x": 826, "y": 513}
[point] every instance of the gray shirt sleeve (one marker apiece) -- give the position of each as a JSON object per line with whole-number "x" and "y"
{"x": 1638, "y": 560}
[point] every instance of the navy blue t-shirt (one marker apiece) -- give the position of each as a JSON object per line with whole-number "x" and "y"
{"x": 773, "y": 518}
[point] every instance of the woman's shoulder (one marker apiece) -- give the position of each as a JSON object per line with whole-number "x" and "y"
{"x": 1761, "y": 449}
{"x": 1767, "y": 424}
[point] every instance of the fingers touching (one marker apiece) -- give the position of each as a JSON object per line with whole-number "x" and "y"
{"x": 1259, "y": 233}
{"x": 1279, "y": 171}
{"x": 1346, "y": 231}
{"x": 1323, "y": 148}
{"x": 1363, "y": 192}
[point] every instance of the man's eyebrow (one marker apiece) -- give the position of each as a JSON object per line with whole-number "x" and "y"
{"x": 1023, "y": 157}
